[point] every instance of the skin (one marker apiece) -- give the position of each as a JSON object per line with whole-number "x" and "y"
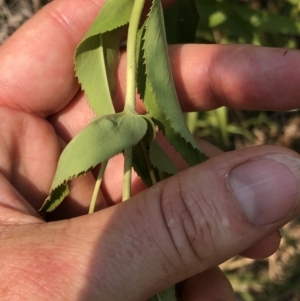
{"x": 123, "y": 252}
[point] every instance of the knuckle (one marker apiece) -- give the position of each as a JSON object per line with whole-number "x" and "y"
{"x": 189, "y": 217}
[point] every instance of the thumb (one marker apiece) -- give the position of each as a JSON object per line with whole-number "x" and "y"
{"x": 192, "y": 221}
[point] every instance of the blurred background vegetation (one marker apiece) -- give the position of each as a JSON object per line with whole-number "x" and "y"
{"x": 271, "y": 23}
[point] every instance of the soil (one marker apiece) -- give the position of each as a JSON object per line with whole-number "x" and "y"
{"x": 13, "y": 13}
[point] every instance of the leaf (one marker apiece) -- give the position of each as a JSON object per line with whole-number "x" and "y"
{"x": 113, "y": 14}
{"x": 166, "y": 295}
{"x": 157, "y": 88}
{"x": 160, "y": 166}
{"x": 266, "y": 22}
{"x": 96, "y": 61}
{"x": 97, "y": 55}
{"x": 141, "y": 163}
{"x": 240, "y": 23}
{"x": 161, "y": 160}
{"x": 102, "y": 139}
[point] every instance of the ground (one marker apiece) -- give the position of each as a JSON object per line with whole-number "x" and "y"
{"x": 13, "y": 13}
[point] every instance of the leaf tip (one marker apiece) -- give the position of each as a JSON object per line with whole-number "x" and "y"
{"x": 56, "y": 196}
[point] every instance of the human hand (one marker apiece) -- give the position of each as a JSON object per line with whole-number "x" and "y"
{"x": 179, "y": 229}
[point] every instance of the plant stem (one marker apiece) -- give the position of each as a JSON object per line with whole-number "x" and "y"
{"x": 131, "y": 55}
{"x": 131, "y": 87}
{"x": 127, "y": 173}
{"x": 97, "y": 186}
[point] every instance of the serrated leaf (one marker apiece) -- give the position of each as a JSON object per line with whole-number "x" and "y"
{"x": 158, "y": 70}
{"x": 141, "y": 163}
{"x": 95, "y": 61}
{"x": 161, "y": 160}
{"x": 150, "y": 161}
{"x": 100, "y": 48}
{"x": 113, "y": 14}
{"x": 102, "y": 139}
{"x": 159, "y": 167}
{"x": 157, "y": 88}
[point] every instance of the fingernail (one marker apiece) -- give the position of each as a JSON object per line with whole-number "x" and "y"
{"x": 266, "y": 188}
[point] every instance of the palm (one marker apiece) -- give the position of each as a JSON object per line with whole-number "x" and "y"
{"x": 31, "y": 143}
{"x": 29, "y": 152}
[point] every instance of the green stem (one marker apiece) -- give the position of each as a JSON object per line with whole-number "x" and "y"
{"x": 127, "y": 174}
{"x": 131, "y": 54}
{"x": 97, "y": 187}
{"x": 131, "y": 86}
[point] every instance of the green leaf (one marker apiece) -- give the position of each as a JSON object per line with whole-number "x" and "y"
{"x": 113, "y": 14}
{"x": 141, "y": 163}
{"x": 96, "y": 60}
{"x": 102, "y": 139}
{"x": 157, "y": 88}
{"x": 166, "y": 295}
{"x": 161, "y": 160}
{"x": 266, "y": 22}
{"x": 239, "y": 23}
{"x": 97, "y": 55}
{"x": 151, "y": 162}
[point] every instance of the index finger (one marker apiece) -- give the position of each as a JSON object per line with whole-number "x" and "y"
{"x": 38, "y": 73}
{"x": 209, "y": 76}
{"x": 243, "y": 77}
{"x": 36, "y": 63}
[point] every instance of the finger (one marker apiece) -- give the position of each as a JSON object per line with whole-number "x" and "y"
{"x": 177, "y": 229}
{"x": 73, "y": 118}
{"x": 210, "y": 76}
{"x": 112, "y": 188}
{"x": 237, "y": 76}
{"x": 208, "y": 286}
{"x": 29, "y": 152}
{"x": 13, "y": 207}
{"x": 41, "y": 53}
{"x": 190, "y": 222}
{"x": 264, "y": 248}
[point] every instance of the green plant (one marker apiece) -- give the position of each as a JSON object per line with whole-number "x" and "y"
{"x": 111, "y": 133}
{"x": 266, "y": 23}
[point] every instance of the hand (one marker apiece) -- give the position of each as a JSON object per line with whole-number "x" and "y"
{"x": 179, "y": 229}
